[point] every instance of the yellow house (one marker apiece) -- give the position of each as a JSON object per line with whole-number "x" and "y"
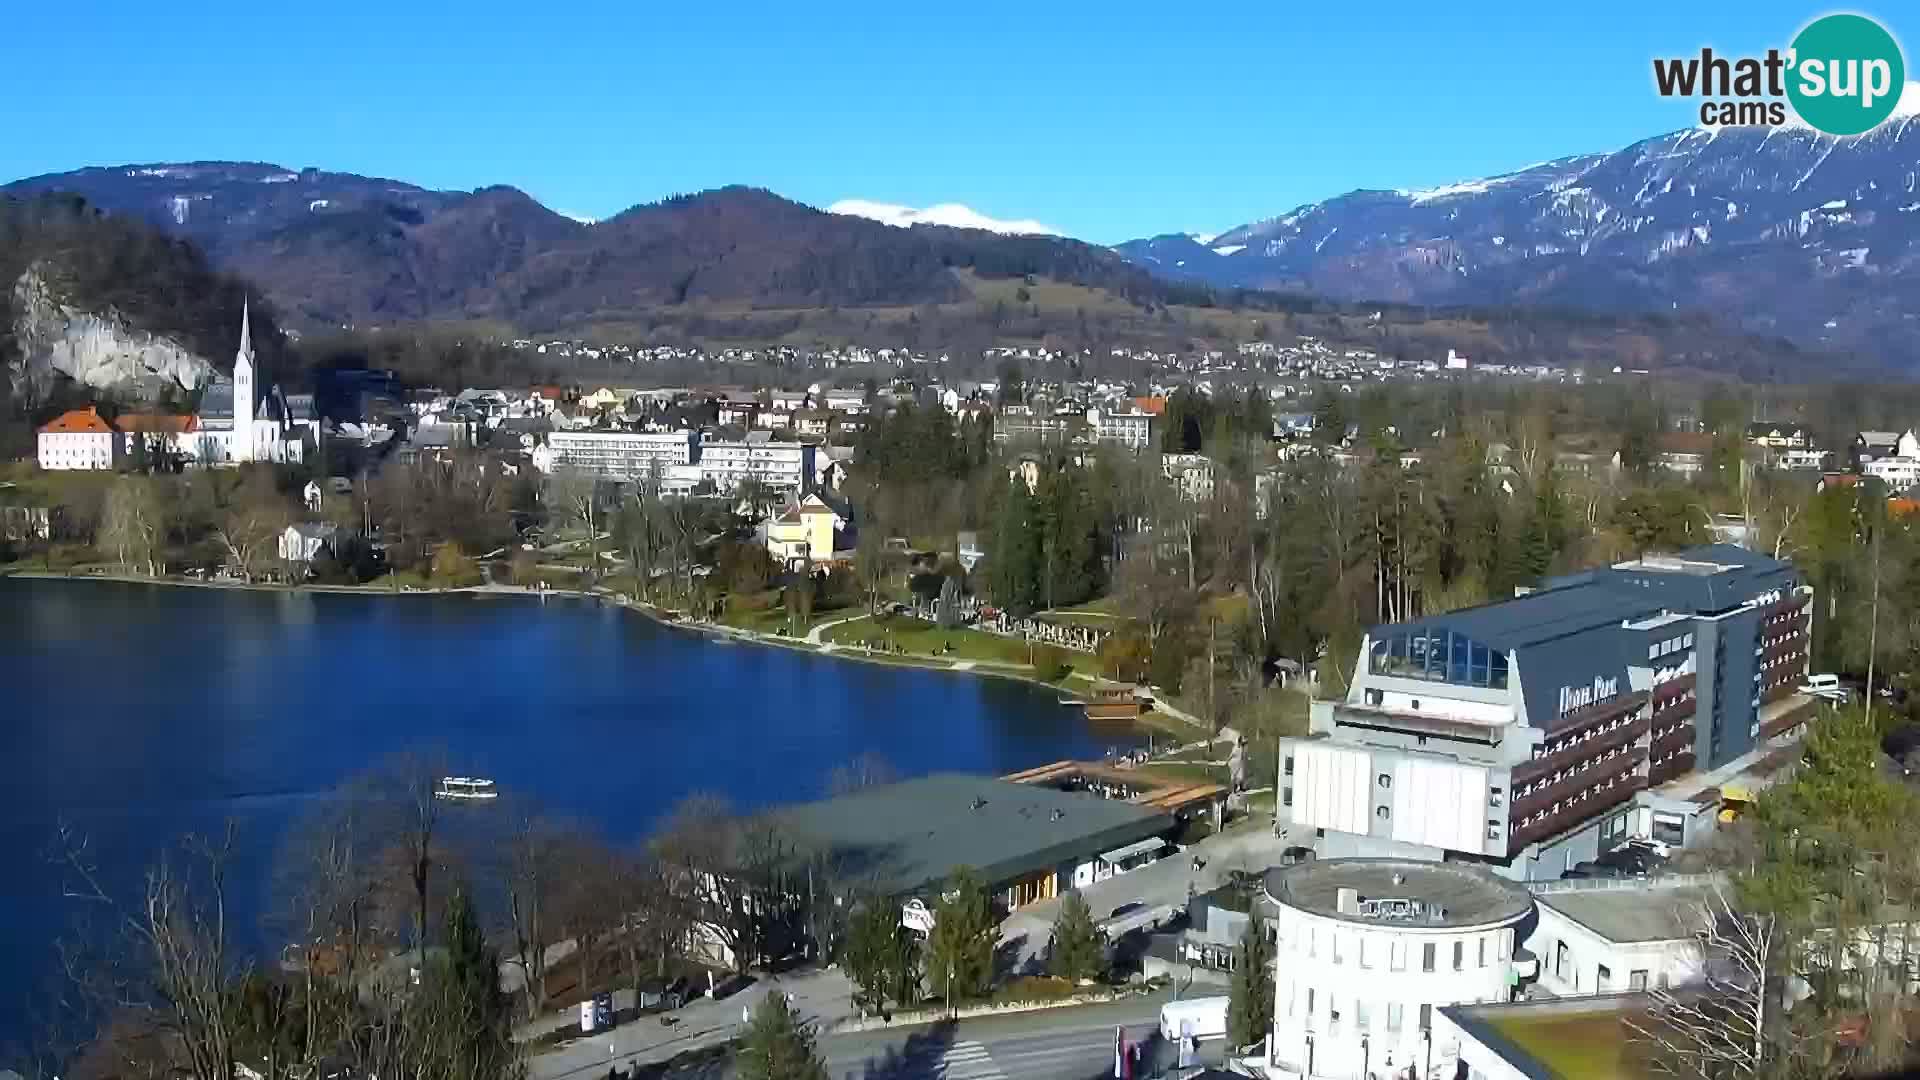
{"x": 603, "y": 399}
{"x": 812, "y": 529}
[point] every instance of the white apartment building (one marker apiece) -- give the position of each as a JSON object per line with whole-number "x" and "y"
{"x": 1133, "y": 430}
{"x": 1366, "y": 951}
{"x": 80, "y": 439}
{"x": 1192, "y": 475}
{"x": 778, "y": 465}
{"x": 1897, "y": 472}
{"x": 617, "y": 455}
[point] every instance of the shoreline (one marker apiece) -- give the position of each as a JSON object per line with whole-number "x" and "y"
{"x": 658, "y": 616}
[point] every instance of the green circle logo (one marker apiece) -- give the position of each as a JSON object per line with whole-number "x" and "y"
{"x": 1847, "y": 74}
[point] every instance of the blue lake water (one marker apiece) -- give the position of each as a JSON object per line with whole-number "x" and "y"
{"x": 137, "y": 714}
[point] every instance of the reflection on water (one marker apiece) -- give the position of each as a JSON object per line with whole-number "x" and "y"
{"x": 139, "y": 713}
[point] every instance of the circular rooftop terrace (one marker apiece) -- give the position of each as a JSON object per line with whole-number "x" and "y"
{"x": 1398, "y": 893}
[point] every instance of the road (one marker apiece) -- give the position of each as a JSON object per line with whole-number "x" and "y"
{"x": 1050, "y": 1044}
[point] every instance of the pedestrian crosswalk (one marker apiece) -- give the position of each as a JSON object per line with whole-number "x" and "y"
{"x": 968, "y": 1061}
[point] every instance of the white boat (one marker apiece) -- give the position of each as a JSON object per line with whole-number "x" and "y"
{"x": 465, "y": 789}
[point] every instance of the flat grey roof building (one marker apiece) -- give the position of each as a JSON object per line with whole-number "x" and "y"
{"x": 1449, "y": 894}
{"x": 1638, "y": 911}
{"x": 906, "y": 836}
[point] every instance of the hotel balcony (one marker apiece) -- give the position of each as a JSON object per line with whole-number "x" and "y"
{"x": 1783, "y": 713}
{"x": 1561, "y": 790}
{"x": 1665, "y": 771}
{"x": 1575, "y": 813}
{"x": 1586, "y": 749}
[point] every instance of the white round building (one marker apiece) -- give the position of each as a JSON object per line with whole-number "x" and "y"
{"x": 1367, "y": 949}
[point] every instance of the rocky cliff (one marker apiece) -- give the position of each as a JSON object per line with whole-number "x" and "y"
{"x": 101, "y": 350}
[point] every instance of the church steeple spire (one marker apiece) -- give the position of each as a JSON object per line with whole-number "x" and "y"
{"x": 246, "y": 331}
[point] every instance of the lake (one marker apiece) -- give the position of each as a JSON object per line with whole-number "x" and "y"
{"x": 139, "y": 713}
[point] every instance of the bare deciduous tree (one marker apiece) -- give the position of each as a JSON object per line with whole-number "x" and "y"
{"x": 1719, "y": 1026}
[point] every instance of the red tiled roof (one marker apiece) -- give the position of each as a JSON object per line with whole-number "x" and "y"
{"x": 1152, "y": 406}
{"x": 85, "y": 420}
{"x": 157, "y": 422}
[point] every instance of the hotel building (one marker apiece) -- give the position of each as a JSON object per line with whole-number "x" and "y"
{"x": 1521, "y": 734}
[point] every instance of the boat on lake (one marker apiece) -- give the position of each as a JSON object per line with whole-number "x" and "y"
{"x": 465, "y": 789}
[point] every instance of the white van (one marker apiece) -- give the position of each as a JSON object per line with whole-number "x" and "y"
{"x": 1194, "y": 1018}
{"x": 1826, "y": 686}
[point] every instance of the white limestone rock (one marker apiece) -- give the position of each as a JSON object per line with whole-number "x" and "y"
{"x": 97, "y": 349}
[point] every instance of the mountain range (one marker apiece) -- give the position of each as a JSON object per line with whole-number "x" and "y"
{"x": 1769, "y": 236}
{"x": 1775, "y": 230}
{"x": 337, "y": 249}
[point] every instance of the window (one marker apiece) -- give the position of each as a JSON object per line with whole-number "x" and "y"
{"x": 1397, "y": 956}
{"x": 1426, "y": 956}
{"x": 1313, "y": 942}
{"x": 1289, "y": 764}
{"x": 1506, "y": 942}
{"x": 1386, "y": 781}
{"x": 1483, "y": 952}
{"x": 1459, "y": 955}
{"x": 1360, "y": 1018}
{"x": 1361, "y": 947}
{"x": 1562, "y": 959}
{"x": 1382, "y": 812}
{"x": 1394, "y": 1015}
{"x": 1375, "y": 698}
{"x": 1426, "y": 1017}
{"x": 1286, "y": 796}
{"x": 1602, "y": 978}
{"x": 1637, "y": 981}
{"x": 1309, "y": 1004}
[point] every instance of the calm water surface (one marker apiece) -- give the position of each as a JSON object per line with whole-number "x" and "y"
{"x": 138, "y": 714}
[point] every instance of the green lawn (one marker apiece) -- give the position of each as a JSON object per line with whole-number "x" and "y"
{"x": 918, "y": 638}
{"x": 1576, "y": 1046}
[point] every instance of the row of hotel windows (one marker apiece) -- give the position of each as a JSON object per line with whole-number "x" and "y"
{"x": 1680, "y": 698}
{"x": 1576, "y": 800}
{"x": 1547, "y": 749}
{"x": 1672, "y": 645}
{"x": 1543, "y": 782}
{"x": 1308, "y": 939}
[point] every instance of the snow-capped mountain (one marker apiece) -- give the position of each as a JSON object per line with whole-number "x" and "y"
{"x": 1779, "y": 230}
{"x": 952, "y": 215}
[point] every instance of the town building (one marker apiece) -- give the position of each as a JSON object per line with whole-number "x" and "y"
{"x": 1192, "y": 475}
{"x": 1132, "y": 429}
{"x": 303, "y": 542}
{"x": 1027, "y": 842}
{"x": 1367, "y": 950}
{"x": 242, "y": 419}
{"x": 782, "y": 466}
{"x": 1898, "y": 469}
{"x": 1511, "y": 733}
{"x": 817, "y": 529}
{"x": 616, "y": 455}
{"x": 80, "y": 439}
{"x": 1606, "y": 937}
{"x": 1779, "y": 436}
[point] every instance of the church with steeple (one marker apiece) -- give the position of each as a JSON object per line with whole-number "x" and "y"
{"x": 239, "y": 420}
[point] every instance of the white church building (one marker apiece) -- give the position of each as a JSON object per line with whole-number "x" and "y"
{"x": 240, "y": 420}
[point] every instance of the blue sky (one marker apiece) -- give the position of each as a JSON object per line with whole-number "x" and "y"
{"x": 1109, "y": 120}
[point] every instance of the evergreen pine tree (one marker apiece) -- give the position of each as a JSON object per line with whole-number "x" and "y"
{"x": 776, "y": 1046}
{"x": 1076, "y": 952}
{"x": 960, "y": 949}
{"x": 1250, "y": 1006}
